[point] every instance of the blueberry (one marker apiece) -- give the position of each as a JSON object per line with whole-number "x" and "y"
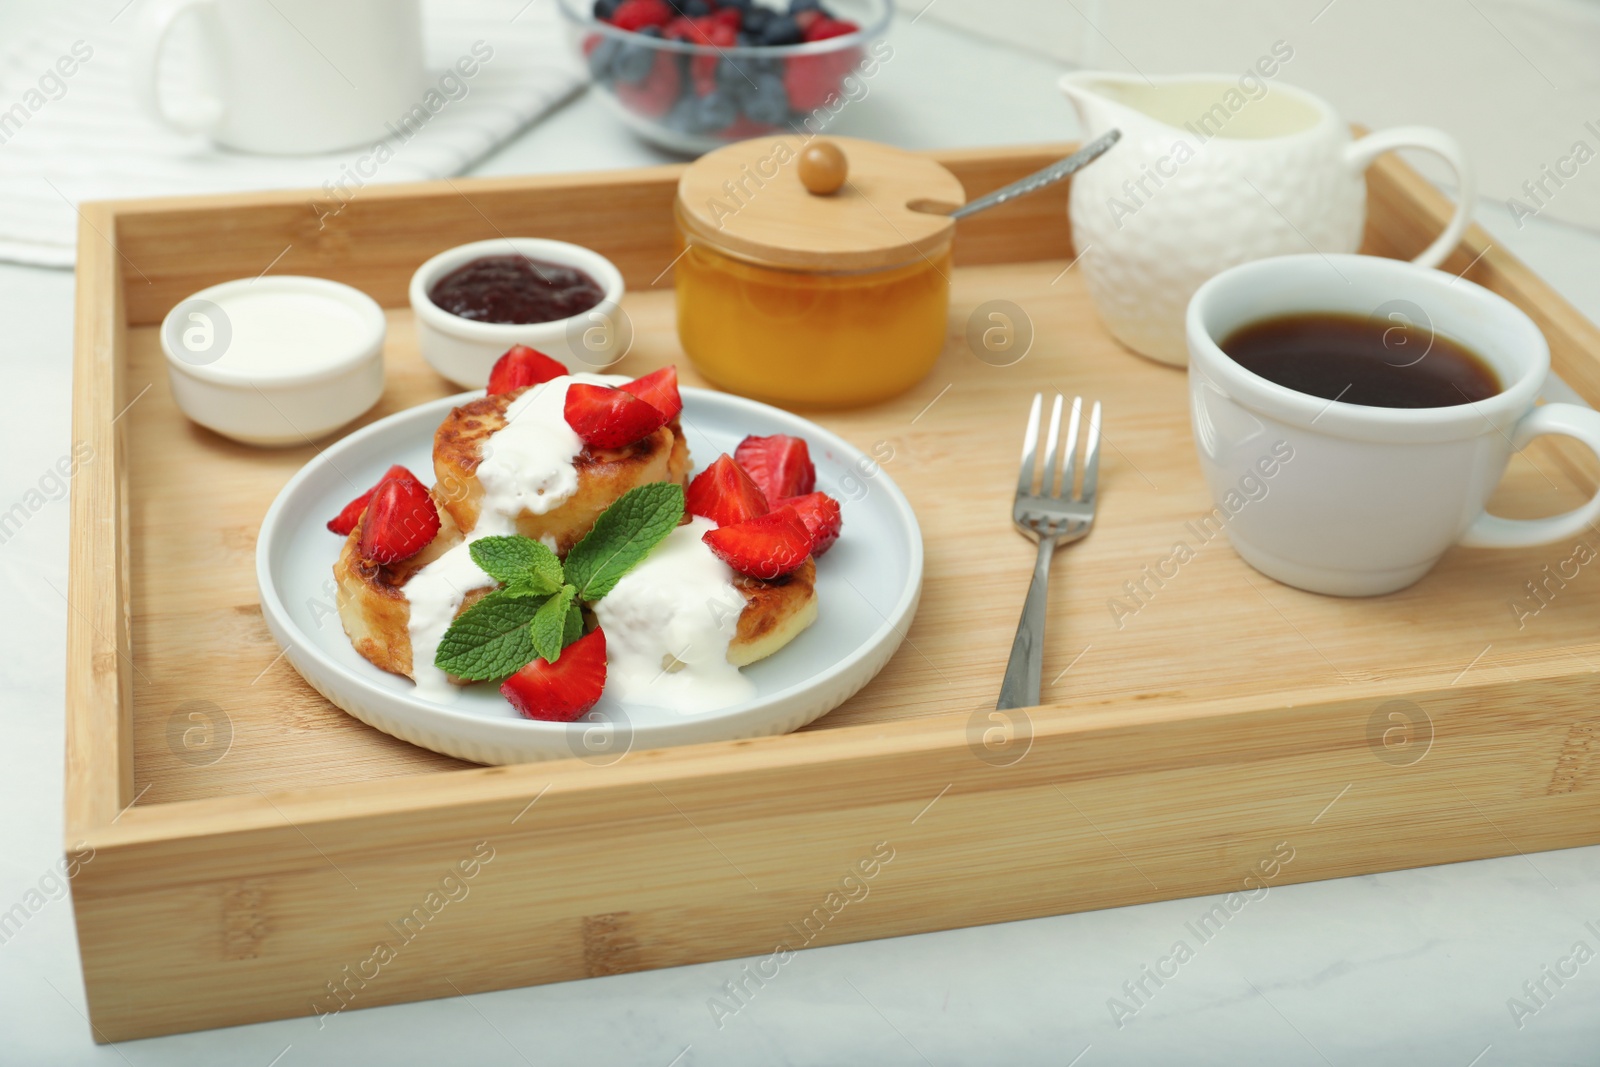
{"x": 755, "y": 20}
{"x": 603, "y": 59}
{"x": 716, "y": 110}
{"x": 633, "y": 63}
{"x": 781, "y": 30}
{"x": 731, "y": 74}
{"x": 604, "y": 9}
{"x": 694, "y": 8}
{"x": 797, "y": 6}
{"x": 767, "y": 102}
{"x": 683, "y": 117}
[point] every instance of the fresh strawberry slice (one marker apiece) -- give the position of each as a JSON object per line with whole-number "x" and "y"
{"x": 563, "y": 690}
{"x": 347, "y": 518}
{"x": 659, "y": 389}
{"x": 820, "y": 512}
{"x": 610, "y": 418}
{"x": 822, "y": 28}
{"x": 638, "y": 14}
{"x": 522, "y": 366}
{"x": 715, "y": 33}
{"x": 681, "y": 28}
{"x": 401, "y": 519}
{"x": 767, "y": 546}
{"x": 780, "y": 465}
{"x": 724, "y": 493}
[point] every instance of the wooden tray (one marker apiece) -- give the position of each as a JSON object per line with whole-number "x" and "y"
{"x": 250, "y": 846}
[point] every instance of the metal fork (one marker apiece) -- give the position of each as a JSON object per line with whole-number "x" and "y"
{"x": 1057, "y": 513}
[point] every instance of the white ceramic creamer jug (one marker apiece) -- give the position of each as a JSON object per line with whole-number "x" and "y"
{"x": 1212, "y": 171}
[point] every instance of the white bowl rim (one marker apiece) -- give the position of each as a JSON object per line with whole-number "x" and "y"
{"x": 210, "y": 373}
{"x": 895, "y": 621}
{"x": 566, "y": 253}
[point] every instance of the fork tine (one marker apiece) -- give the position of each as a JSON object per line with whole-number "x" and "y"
{"x": 1052, "y": 441}
{"x": 1091, "y": 459}
{"x": 1030, "y": 444}
{"x": 1069, "y": 463}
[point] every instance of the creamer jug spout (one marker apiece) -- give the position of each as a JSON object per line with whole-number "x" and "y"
{"x": 1097, "y": 97}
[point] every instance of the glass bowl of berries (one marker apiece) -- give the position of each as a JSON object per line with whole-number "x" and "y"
{"x": 692, "y": 75}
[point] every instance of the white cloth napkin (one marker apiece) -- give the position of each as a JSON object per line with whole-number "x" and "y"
{"x": 84, "y": 137}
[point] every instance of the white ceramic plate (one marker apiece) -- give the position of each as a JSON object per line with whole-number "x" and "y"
{"x": 868, "y": 585}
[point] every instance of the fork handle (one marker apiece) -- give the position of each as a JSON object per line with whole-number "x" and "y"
{"x": 1020, "y": 687}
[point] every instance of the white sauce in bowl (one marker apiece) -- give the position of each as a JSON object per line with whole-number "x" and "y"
{"x": 284, "y": 333}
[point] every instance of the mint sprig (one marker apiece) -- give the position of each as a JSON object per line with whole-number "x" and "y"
{"x": 549, "y": 626}
{"x": 623, "y": 535}
{"x": 491, "y": 639}
{"x": 525, "y": 566}
{"x": 538, "y": 610}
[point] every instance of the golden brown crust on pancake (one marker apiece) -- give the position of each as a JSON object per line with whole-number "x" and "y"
{"x": 371, "y": 598}
{"x": 775, "y": 611}
{"x": 603, "y": 474}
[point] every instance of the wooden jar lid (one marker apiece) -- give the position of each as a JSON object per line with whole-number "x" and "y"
{"x": 748, "y": 200}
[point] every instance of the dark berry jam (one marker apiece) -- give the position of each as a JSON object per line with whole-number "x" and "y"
{"x": 515, "y": 289}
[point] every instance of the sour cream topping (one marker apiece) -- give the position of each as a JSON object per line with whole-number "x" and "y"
{"x": 668, "y": 624}
{"x": 527, "y": 464}
{"x": 435, "y": 594}
{"x": 668, "y": 621}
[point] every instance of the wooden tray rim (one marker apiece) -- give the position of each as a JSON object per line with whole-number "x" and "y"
{"x": 102, "y": 811}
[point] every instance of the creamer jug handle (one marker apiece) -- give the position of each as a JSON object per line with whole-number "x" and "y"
{"x": 1361, "y": 154}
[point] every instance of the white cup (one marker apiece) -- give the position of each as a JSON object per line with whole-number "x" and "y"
{"x": 1354, "y": 500}
{"x": 288, "y": 76}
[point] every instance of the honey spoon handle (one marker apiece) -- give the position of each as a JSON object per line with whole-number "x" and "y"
{"x": 1041, "y": 178}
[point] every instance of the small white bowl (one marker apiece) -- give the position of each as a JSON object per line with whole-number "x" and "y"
{"x": 464, "y": 350}
{"x": 277, "y": 360}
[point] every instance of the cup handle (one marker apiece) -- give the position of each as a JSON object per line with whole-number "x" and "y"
{"x": 1361, "y": 154}
{"x": 1569, "y": 420}
{"x": 149, "y": 41}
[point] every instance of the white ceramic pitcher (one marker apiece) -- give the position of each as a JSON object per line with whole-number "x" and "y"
{"x": 1212, "y": 171}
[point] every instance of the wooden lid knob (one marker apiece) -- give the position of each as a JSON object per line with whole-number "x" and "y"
{"x": 743, "y": 200}
{"x": 823, "y": 168}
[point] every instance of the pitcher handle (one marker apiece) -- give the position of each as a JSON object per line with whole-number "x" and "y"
{"x": 1361, "y": 154}
{"x": 156, "y": 22}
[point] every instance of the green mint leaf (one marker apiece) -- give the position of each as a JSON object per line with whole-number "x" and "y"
{"x": 549, "y": 627}
{"x": 574, "y": 624}
{"x": 525, "y": 566}
{"x": 622, "y": 536}
{"x": 491, "y": 639}
{"x": 527, "y": 587}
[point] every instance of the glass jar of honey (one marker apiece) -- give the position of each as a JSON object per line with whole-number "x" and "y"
{"x": 807, "y": 276}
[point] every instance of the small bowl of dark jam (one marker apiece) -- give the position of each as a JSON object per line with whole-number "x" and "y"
{"x": 474, "y": 301}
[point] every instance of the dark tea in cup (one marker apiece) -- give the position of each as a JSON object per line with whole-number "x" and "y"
{"x": 1356, "y": 359}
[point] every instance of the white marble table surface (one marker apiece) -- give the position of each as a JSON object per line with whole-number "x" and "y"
{"x": 1410, "y": 967}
